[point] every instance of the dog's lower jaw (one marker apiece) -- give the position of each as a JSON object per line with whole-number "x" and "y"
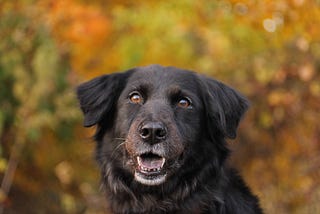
{"x": 150, "y": 180}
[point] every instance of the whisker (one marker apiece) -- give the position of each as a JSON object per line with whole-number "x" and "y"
{"x": 119, "y": 138}
{"x": 114, "y": 152}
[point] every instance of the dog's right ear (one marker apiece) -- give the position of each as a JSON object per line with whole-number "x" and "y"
{"x": 98, "y": 96}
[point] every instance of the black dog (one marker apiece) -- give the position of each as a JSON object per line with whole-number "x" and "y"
{"x": 161, "y": 141}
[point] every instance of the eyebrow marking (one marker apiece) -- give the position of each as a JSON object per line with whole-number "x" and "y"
{"x": 174, "y": 90}
{"x": 141, "y": 86}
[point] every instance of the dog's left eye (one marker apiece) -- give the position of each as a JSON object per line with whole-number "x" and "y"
{"x": 184, "y": 102}
{"x": 136, "y": 98}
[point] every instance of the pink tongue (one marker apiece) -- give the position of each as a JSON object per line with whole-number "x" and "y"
{"x": 151, "y": 163}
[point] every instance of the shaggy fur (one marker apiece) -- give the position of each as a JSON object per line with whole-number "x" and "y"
{"x": 161, "y": 141}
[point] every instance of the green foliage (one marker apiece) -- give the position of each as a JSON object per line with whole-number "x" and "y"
{"x": 35, "y": 97}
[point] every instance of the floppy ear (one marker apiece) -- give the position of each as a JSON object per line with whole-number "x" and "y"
{"x": 224, "y": 106}
{"x": 98, "y": 96}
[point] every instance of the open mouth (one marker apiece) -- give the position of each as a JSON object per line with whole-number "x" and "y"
{"x": 150, "y": 169}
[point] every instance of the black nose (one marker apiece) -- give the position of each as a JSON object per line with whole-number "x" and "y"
{"x": 153, "y": 132}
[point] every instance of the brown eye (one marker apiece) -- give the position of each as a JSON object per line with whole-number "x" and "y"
{"x": 135, "y": 98}
{"x": 184, "y": 103}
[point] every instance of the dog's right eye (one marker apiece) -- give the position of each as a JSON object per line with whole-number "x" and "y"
{"x": 135, "y": 98}
{"x": 184, "y": 103}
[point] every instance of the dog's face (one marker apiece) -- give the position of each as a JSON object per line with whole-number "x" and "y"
{"x": 159, "y": 115}
{"x": 156, "y": 123}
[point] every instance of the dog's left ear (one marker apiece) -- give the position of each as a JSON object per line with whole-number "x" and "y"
{"x": 98, "y": 96}
{"x": 224, "y": 106}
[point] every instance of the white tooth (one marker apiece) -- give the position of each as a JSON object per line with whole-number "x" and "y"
{"x": 163, "y": 161}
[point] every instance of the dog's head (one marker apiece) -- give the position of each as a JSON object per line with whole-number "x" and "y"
{"x": 155, "y": 122}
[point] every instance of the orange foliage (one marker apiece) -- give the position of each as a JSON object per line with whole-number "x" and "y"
{"x": 82, "y": 28}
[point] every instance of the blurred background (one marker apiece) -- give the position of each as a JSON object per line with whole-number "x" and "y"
{"x": 268, "y": 50}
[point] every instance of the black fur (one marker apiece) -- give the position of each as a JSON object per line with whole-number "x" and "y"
{"x": 190, "y": 117}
